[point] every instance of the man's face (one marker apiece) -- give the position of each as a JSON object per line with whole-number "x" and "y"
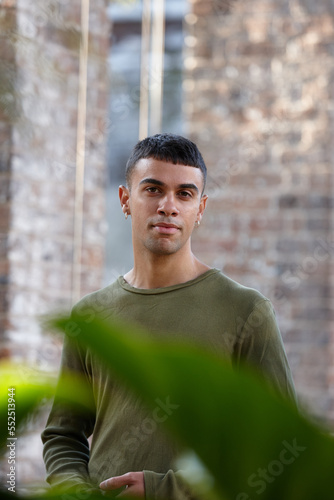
{"x": 164, "y": 201}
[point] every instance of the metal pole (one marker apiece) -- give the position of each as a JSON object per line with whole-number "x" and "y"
{"x": 145, "y": 70}
{"x": 157, "y": 62}
{"x": 80, "y": 153}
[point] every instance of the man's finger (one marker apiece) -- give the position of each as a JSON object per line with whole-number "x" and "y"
{"x": 115, "y": 482}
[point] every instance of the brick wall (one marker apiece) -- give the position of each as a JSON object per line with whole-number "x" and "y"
{"x": 259, "y": 102}
{"x": 258, "y": 94}
{"x": 38, "y": 120}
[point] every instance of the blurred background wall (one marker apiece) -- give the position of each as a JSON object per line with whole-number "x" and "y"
{"x": 52, "y": 203}
{"x": 250, "y": 82}
{"x": 259, "y": 103}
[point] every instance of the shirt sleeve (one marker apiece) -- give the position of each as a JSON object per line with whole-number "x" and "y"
{"x": 65, "y": 438}
{"x": 259, "y": 344}
{"x": 166, "y": 486}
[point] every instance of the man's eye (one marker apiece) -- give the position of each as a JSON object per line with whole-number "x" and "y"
{"x": 185, "y": 194}
{"x": 152, "y": 189}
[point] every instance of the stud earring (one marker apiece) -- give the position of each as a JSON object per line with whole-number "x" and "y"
{"x": 126, "y": 215}
{"x": 197, "y": 223}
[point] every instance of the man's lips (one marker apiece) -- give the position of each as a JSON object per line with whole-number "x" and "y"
{"x": 165, "y": 228}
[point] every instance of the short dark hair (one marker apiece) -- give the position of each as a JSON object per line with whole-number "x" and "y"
{"x": 166, "y": 147}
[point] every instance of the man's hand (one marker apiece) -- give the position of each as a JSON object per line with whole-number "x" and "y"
{"x": 133, "y": 481}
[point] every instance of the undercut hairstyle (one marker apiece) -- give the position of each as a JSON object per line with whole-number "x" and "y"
{"x": 170, "y": 148}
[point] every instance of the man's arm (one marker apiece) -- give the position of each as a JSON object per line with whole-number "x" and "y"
{"x": 260, "y": 345}
{"x": 66, "y": 448}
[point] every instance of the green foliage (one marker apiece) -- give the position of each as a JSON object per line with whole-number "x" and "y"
{"x": 247, "y": 441}
{"x": 252, "y": 442}
{"x": 22, "y": 389}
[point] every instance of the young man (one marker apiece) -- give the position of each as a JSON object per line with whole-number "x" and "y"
{"x": 168, "y": 291}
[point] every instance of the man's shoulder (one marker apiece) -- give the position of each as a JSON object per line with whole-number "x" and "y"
{"x": 234, "y": 289}
{"x": 99, "y": 300}
{"x": 236, "y": 295}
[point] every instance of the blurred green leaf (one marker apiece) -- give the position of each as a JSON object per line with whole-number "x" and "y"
{"x": 254, "y": 443}
{"x": 23, "y": 389}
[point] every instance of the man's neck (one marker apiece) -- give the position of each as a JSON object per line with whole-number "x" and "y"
{"x": 163, "y": 271}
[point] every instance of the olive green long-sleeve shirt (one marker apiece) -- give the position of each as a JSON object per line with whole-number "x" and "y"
{"x": 237, "y": 321}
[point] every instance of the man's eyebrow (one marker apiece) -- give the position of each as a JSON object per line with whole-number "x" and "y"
{"x": 160, "y": 183}
{"x": 189, "y": 186}
{"x": 151, "y": 181}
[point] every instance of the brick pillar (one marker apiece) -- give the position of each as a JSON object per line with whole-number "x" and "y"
{"x": 259, "y": 100}
{"x": 38, "y": 178}
{"x": 8, "y": 114}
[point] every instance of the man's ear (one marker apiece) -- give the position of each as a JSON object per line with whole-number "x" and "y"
{"x": 124, "y": 196}
{"x": 202, "y": 205}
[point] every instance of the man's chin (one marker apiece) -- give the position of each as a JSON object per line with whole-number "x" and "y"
{"x": 164, "y": 246}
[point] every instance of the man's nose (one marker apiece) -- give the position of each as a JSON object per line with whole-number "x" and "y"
{"x": 167, "y": 206}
